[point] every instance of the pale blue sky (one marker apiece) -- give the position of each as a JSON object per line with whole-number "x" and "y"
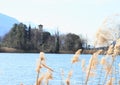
{"x": 77, "y": 16}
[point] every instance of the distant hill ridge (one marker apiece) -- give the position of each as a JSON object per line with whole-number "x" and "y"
{"x": 6, "y": 23}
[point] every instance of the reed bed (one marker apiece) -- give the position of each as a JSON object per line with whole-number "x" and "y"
{"x": 103, "y": 71}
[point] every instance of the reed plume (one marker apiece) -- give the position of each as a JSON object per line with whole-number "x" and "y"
{"x": 42, "y": 58}
{"x": 103, "y": 37}
{"x": 70, "y": 74}
{"x": 116, "y": 48}
{"x": 67, "y": 81}
{"x": 108, "y": 69}
{"x": 78, "y": 52}
{"x": 110, "y": 50}
{"x": 41, "y": 63}
{"x": 68, "y": 78}
{"x": 103, "y": 61}
{"x": 93, "y": 62}
{"x": 76, "y": 56}
{"x": 49, "y": 75}
{"x": 106, "y": 64}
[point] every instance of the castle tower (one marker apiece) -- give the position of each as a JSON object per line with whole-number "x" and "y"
{"x": 40, "y": 28}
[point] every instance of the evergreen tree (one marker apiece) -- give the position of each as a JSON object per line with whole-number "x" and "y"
{"x": 29, "y": 32}
{"x": 16, "y": 38}
{"x": 57, "y": 42}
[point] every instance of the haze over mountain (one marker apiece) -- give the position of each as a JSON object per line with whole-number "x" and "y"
{"x": 6, "y": 22}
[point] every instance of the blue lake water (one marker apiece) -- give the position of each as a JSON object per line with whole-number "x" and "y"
{"x": 16, "y": 68}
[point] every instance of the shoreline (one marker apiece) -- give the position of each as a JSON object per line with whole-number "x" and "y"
{"x": 13, "y": 50}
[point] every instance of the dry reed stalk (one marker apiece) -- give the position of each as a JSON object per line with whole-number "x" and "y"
{"x": 70, "y": 73}
{"x": 116, "y": 48}
{"x": 47, "y": 67}
{"x": 76, "y": 56}
{"x": 119, "y": 73}
{"x": 88, "y": 72}
{"x": 67, "y": 81}
{"x": 106, "y": 63}
{"x": 110, "y": 82}
{"x": 83, "y": 63}
{"x": 39, "y": 66}
{"x": 101, "y": 71}
{"x": 38, "y": 71}
{"x": 75, "y": 59}
{"x": 48, "y": 76}
{"x": 83, "y": 66}
{"x": 91, "y": 63}
{"x": 119, "y": 82}
{"x": 39, "y": 82}
{"x": 108, "y": 70}
{"x": 115, "y": 72}
{"x": 62, "y": 76}
{"x": 94, "y": 60}
{"x": 103, "y": 61}
{"x": 92, "y": 74}
{"x": 115, "y": 53}
{"x": 37, "y": 78}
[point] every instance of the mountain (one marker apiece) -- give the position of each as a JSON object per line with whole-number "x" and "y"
{"x": 6, "y": 23}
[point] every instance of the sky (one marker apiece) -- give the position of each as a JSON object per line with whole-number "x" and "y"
{"x": 82, "y": 17}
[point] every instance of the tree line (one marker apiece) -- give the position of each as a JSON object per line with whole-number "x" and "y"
{"x": 26, "y": 38}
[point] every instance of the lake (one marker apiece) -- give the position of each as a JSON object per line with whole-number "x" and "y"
{"x": 16, "y": 68}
